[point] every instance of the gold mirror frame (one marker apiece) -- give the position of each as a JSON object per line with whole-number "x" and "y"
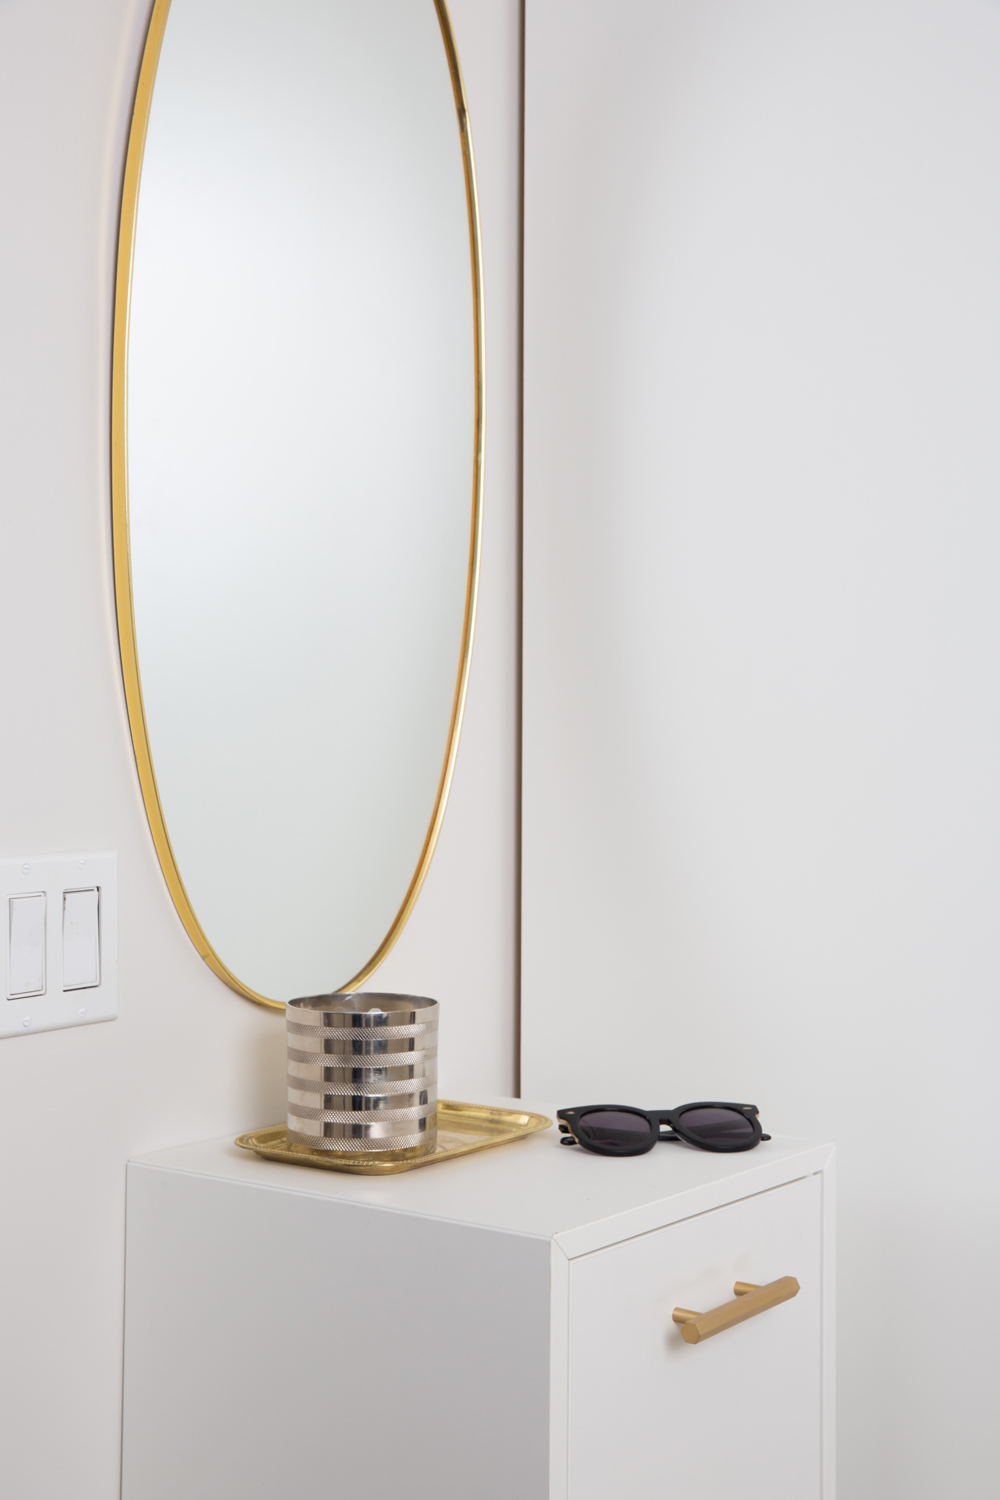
{"x": 120, "y": 524}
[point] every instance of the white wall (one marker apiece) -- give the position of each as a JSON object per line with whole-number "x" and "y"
{"x": 460, "y": 945}
{"x": 187, "y": 1058}
{"x": 762, "y": 633}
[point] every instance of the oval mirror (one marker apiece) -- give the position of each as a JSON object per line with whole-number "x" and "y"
{"x": 297, "y": 430}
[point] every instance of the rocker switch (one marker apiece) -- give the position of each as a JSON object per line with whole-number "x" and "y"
{"x": 82, "y": 939}
{"x": 25, "y": 946}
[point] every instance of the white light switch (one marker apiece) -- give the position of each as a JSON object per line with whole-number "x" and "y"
{"x": 25, "y": 945}
{"x": 81, "y": 967}
{"x": 59, "y": 929}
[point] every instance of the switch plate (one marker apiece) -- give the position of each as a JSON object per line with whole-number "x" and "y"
{"x": 79, "y": 897}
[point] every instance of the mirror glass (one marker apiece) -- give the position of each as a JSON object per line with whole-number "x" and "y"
{"x": 297, "y": 445}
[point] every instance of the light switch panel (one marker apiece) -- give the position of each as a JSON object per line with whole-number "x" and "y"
{"x": 61, "y": 937}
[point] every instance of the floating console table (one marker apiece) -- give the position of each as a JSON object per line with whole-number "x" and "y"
{"x": 514, "y": 1325}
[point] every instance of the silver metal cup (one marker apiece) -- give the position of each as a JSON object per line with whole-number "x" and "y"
{"x": 362, "y": 1073}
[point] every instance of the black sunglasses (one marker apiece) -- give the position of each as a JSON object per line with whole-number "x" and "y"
{"x": 620, "y": 1130}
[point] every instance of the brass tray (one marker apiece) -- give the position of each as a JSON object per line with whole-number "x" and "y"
{"x": 461, "y": 1128}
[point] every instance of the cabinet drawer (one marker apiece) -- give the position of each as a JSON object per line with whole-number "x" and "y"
{"x": 736, "y": 1415}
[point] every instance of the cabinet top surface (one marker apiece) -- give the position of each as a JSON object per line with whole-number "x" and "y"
{"x": 534, "y": 1186}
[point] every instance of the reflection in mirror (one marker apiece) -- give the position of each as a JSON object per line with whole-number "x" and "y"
{"x": 297, "y": 453}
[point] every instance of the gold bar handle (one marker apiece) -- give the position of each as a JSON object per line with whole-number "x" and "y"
{"x": 750, "y": 1300}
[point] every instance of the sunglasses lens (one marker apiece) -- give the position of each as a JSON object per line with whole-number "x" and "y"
{"x": 609, "y": 1127}
{"x": 722, "y": 1127}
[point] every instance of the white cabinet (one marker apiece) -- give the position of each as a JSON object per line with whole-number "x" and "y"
{"x": 492, "y": 1328}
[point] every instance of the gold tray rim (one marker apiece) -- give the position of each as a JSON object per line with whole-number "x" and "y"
{"x": 497, "y": 1126}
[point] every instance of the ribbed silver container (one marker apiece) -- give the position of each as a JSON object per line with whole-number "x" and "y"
{"x": 362, "y": 1073}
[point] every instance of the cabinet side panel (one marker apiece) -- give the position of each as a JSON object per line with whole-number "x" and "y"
{"x": 828, "y": 1178}
{"x": 278, "y": 1344}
